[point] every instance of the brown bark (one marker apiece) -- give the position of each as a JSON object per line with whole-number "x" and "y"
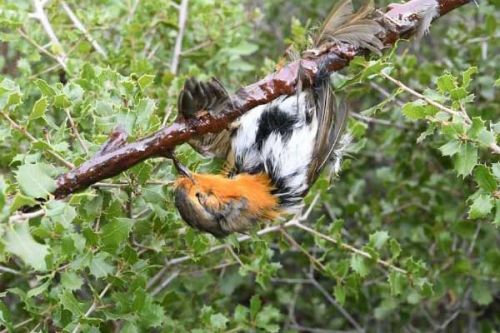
{"x": 399, "y": 21}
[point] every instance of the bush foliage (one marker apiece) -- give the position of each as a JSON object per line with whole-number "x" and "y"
{"x": 406, "y": 239}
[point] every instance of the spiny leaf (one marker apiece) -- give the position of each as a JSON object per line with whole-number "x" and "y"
{"x": 18, "y": 241}
{"x": 35, "y": 180}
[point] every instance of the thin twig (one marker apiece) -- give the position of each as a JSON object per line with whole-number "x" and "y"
{"x": 348, "y": 247}
{"x": 9, "y": 270}
{"x": 92, "y": 307}
{"x": 370, "y": 120}
{"x": 332, "y": 301}
{"x": 183, "y": 9}
{"x": 293, "y": 242}
{"x": 27, "y": 134}
{"x": 130, "y": 16}
{"x": 21, "y": 217}
{"x": 165, "y": 282}
{"x": 21, "y": 324}
{"x": 425, "y": 98}
{"x": 38, "y": 46}
{"x": 75, "y": 132}
{"x": 41, "y": 16}
{"x": 79, "y": 25}
{"x": 463, "y": 114}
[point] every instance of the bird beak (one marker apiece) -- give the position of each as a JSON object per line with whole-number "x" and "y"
{"x": 182, "y": 169}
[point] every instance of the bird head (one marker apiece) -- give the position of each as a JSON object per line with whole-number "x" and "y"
{"x": 220, "y": 205}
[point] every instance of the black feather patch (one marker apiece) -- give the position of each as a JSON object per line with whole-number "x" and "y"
{"x": 274, "y": 120}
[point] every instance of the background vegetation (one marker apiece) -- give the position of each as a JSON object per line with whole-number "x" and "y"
{"x": 406, "y": 240}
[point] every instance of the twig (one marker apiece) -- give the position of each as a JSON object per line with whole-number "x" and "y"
{"x": 332, "y": 301}
{"x": 425, "y": 98}
{"x": 386, "y": 94}
{"x": 128, "y": 20}
{"x": 183, "y": 9}
{"x": 79, "y": 25}
{"x": 75, "y": 131}
{"x": 348, "y": 247}
{"x": 9, "y": 270}
{"x": 235, "y": 256}
{"x": 165, "y": 282}
{"x": 21, "y": 324}
{"x": 377, "y": 121}
{"x": 41, "y": 16}
{"x": 21, "y": 217}
{"x": 292, "y": 241}
{"x": 92, "y": 307}
{"x": 463, "y": 114}
{"x": 38, "y": 46}
{"x": 30, "y": 137}
{"x": 307, "y": 329}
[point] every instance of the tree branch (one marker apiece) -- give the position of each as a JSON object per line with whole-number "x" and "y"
{"x": 183, "y": 9}
{"x": 79, "y": 25}
{"x": 400, "y": 21}
{"x": 41, "y": 16}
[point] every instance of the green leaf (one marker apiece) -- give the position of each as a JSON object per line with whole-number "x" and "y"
{"x": 378, "y": 239}
{"x": 45, "y": 88}
{"x": 481, "y": 206}
{"x": 144, "y": 109}
{"x": 243, "y": 49}
{"x": 35, "y": 180}
{"x": 62, "y": 101}
{"x": 446, "y": 83}
{"x": 70, "y": 303}
{"x": 458, "y": 94}
{"x": 479, "y": 132}
{"x": 61, "y": 212}
{"x": 39, "y": 108}
{"x": 145, "y": 80}
{"x": 255, "y": 305}
{"x": 99, "y": 267}
{"x": 20, "y": 201}
{"x": 467, "y": 75}
{"x": 115, "y": 233}
{"x": 481, "y": 293}
{"x": 485, "y": 137}
{"x": 340, "y": 294}
{"x": 397, "y": 282}
{"x": 219, "y": 321}
{"x": 495, "y": 167}
{"x": 466, "y": 159}
{"x": 418, "y": 109}
{"x": 485, "y": 179}
{"x": 71, "y": 281}
{"x": 359, "y": 265}
{"x": 39, "y": 289}
{"x": 18, "y": 241}
{"x": 395, "y": 248}
{"x": 450, "y": 148}
{"x": 496, "y": 221}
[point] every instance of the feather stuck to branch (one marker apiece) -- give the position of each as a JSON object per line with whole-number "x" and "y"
{"x": 399, "y": 21}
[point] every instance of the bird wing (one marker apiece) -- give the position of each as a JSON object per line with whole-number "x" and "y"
{"x": 210, "y": 96}
{"x": 356, "y": 28}
{"x": 332, "y": 121}
{"x": 341, "y": 25}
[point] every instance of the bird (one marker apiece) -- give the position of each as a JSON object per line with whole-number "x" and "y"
{"x": 275, "y": 152}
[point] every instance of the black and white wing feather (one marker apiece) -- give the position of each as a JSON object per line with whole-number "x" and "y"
{"x": 205, "y": 96}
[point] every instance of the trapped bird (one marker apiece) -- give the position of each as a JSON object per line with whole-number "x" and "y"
{"x": 274, "y": 152}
